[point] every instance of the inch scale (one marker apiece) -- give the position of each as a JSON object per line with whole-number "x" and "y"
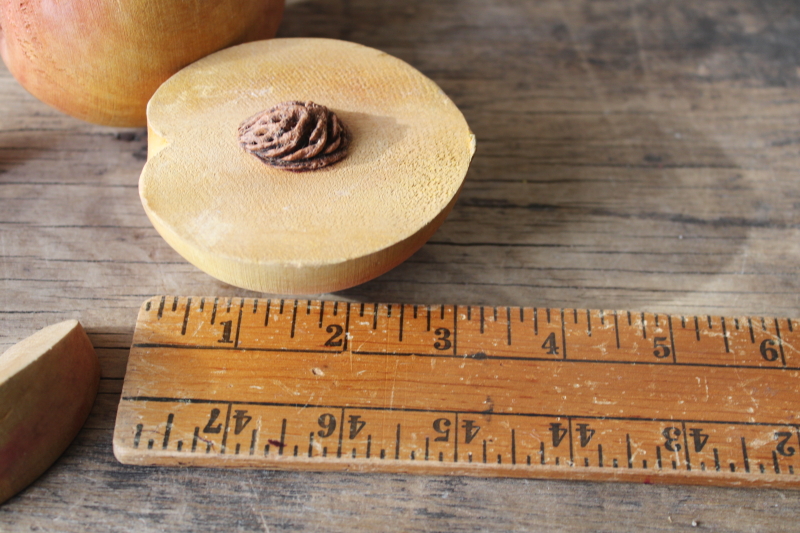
{"x": 467, "y": 390}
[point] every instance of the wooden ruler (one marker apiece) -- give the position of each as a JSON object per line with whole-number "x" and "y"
{"x": 443, "y": 389}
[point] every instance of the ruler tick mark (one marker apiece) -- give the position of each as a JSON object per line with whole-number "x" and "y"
{"x": 745, "y": 457}
{"x": 138, "y": 435}
{"x": 780, "y": 341}
{"x": 402, "y": 313}
{"x": 725, "y": 335}
{"x": 238, "y": 325}
{"x": 174, "y": 304}
{"x": 508, "y": 325}
{"x": 375, "y": 317}
{"x": 186, "y": 316}
{"x": 644, "y": 327}
{"x": 628, "y": 450}
{"x": 588, "y": 323}
{"x": 321, "y": 313}
{"x": 161, "y": 307}
{"x": 168, "y": 431}
{"x": 266, "y": 315}
{"x": 214, "y": 311}
{"x": 282, "y": 442}
{"x": 294, "y": 319}
{"x": 225, "y": 429}
{"x": 672, "y": 339}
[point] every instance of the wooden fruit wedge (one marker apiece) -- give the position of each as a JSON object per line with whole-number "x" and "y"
{"x": 48, "y": 383}
{"x": 274, "y": 230}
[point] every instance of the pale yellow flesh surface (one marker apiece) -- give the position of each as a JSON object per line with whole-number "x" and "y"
{"x": 272, "y": 230}
{"x": 48, "y": 383}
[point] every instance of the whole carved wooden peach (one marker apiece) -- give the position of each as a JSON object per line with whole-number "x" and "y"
{"x": 101, "y": 60}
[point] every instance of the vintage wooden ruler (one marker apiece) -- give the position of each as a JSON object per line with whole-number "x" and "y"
{"x": 444, "y": 389}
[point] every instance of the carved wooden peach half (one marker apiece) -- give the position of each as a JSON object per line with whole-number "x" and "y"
{"x": 271, "y": 229}
{"x": 48, "y": 383}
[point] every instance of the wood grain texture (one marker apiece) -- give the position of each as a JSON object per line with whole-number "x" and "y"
{"x": 632, "y": 155}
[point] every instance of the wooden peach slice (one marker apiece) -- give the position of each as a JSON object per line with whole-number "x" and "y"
{"x": 48, "y": 383}
{"x": 272, "y": 230}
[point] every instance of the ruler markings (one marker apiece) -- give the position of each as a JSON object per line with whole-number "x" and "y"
{"x": 478, "y": 355}
{"x": 762, "y": 440}
{"x": 453, "y": 412}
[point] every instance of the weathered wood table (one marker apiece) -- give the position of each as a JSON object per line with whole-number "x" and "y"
{"x": 632, "y": 155}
